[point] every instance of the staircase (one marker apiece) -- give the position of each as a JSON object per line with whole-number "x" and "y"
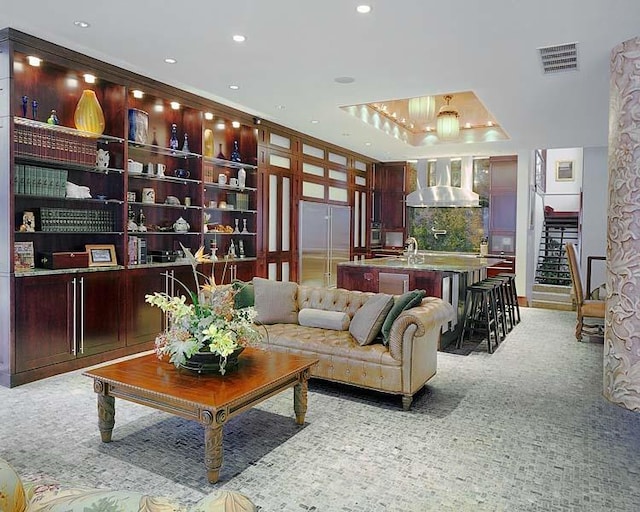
{"x": 552, "y": 288}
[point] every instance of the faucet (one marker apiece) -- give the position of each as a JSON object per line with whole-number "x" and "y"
{"x": 411, "y": 247}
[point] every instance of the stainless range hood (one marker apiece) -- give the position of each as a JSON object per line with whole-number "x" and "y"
{"x": 442, "y": 194}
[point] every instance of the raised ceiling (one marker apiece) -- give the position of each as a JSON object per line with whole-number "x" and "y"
{"x": 294, "y": 51}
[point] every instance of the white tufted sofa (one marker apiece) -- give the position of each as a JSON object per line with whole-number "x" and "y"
{"x": 403, "y": 367}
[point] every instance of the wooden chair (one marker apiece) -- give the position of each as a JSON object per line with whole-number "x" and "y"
{"x": 586, "y": 308}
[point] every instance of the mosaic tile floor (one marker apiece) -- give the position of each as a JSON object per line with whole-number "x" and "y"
{"x": 523, "y": 429}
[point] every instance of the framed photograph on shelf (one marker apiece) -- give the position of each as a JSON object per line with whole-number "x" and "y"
{"x": 101, "y": 255}
{"x": 564, "y": 170}
{"x": 23, "y": 256}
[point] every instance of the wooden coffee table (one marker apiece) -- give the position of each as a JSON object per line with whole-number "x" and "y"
{"x": 208, "y": 399}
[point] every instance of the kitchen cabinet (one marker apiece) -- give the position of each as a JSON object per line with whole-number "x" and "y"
{"x": 390, "y": 192}
{"x": 67, "y": 316}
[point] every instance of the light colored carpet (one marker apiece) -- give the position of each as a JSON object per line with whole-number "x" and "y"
{"x": 523, "y": 429}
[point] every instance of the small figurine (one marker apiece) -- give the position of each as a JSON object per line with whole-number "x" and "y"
{"x": 25, "y": 103}
{"x": 34, "y": 110}
{"x": 53, "y": 118}
{"x": 235, "y": 154}
{"x": 185, "y": 146}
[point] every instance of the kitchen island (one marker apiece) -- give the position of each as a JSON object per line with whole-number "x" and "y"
{"x": 440, "y": 274}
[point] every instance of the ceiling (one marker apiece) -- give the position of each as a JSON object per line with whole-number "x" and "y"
{"x": 295, "y": 49}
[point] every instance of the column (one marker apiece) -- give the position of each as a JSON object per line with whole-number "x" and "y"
{"x": 622, "y": 342}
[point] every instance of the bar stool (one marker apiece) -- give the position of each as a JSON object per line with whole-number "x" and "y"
{"x": 503, "y": 297}
{"x": 495, "y": 295}
{"x": 480, "y": 313}
{"x": 513, "y": 294}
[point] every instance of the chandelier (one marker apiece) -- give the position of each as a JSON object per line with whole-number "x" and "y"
{"x": 422, "y": 109}
{"x": 448, "y": 124}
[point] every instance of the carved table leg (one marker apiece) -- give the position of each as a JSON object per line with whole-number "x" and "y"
{"x": 106, "y": 416}
{"x": 300, "y": 397}
{"x": 213, "y": 455}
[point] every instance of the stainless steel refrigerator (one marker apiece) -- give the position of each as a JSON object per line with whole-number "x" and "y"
{"x": 323, "y": 243}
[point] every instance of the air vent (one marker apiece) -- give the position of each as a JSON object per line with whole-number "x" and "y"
{"x": 560, "y": 57}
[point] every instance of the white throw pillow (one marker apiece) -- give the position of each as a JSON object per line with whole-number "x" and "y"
{"x": 335, "y": 320}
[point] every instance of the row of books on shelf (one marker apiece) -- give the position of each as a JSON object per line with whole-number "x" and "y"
{"x": 46, "y": 144}
{"x": 39, "y": 181}
{"x": 240, "y": 200}
{"x": 74, "y": 220}
{"x": 137, "y": 250}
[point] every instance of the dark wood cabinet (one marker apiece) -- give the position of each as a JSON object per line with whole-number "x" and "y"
{"x": 143, "y": 321}
{"x": 44, "y": 322}
{"x": 390, "y": 192}
{"x": 63, "y": 317}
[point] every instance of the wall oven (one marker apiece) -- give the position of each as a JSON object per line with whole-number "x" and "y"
{"x": 376, "y": 235}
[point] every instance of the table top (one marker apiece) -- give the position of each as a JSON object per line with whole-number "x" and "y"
{"x": 429, "y": 260}
{"x": 257, "y": 369}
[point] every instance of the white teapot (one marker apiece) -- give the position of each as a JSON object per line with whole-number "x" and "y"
{"x": 181, "y": 226}
{"x": 102, "y": 159}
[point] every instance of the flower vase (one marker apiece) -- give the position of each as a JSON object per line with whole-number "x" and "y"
{"x": 210, "y": 362}
{"x": 242, "y": 178}
{"x": 88, "y": 116}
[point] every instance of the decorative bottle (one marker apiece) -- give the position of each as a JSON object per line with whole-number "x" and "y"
{"x": 220, "y": 153}
{"x": 235, "y": 154}
{"x": 242, "y": 178}
{"x": 185, "y": 146}
{"x": 88, "y": 116}
{"x": 173, "y": 140}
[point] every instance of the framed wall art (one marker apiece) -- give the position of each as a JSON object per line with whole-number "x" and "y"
{"x": 101, "y": 255}
{"x": 564, "y": 170}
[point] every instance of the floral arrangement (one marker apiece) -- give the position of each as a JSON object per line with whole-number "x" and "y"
{"x": 209, "y": 324}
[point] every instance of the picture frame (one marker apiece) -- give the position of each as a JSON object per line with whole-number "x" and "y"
{"x": 101, "y": 255}
{"x": 564, "y": 170}
{"x": 23, "y": 256}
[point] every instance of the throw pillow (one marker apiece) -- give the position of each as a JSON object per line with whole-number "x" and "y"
{"x": 404, "y": 301}
{"x": 245, "y": 294}
{"x": 367, "y": 322}
{"x": 276, "y": 301}
{"x": 336, "y": 320}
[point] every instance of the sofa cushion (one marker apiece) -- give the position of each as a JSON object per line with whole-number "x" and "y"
{"x": 12, "y": 493}
{"x": 245, "y": 294}
{"x": 400, "y": 303}
{"x": 334, "y": 320}
{"x": 367, "y": 322}
{"x": 276, "y": 301}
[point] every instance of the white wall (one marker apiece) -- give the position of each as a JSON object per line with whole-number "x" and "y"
{"x": 564, "y": 196}
{"x": 595, "y": 199}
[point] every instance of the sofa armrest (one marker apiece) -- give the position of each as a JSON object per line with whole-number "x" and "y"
{"x": 431, "y": 314}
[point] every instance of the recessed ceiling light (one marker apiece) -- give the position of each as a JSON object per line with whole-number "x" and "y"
{"x": 81, "y": 24}
{"x": 467, "y": 125}
{"x": 220, "y": 125}
{"x": 175, "y": 105}
{"x": 137, "y": 93}
{"x": 367, "y": 143}
{"x": 34, "y": 61}
{"x": 345, "y": 80}
{"x": 280, "y": 107}
{"x": 158, "y": 107}
{"x": 314, "y": 121}
{"x": 89, "y": 78}
{"x": 208, "y": 116}
{"x": 170, "y": 60}
{"x": 235, "y": 124}
{"x": 239, "y": 38}
{"x": 489, "y": 123}
{"x": 345, "y": 134}
{"x": 234, "y": 87}
{"x": 363, "y": 9}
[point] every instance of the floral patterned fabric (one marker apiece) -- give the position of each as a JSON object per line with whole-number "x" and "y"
{"x": 38, "y": 497}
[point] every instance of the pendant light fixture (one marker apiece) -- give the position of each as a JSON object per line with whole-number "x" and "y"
{"x": 422, "y": 109}
{"x": 448, "y": 124}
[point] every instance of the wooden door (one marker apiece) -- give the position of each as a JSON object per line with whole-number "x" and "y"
{"x": 100, "y": 312}
{"x": 143, "y": 321}
{"x": 44, "y": 321}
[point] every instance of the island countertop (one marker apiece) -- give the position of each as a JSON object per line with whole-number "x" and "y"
{"x": 425, "y": 260}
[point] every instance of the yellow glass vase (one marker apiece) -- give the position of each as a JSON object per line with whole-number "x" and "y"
{"x": 88, "y": 116}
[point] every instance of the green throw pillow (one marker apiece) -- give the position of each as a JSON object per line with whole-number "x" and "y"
{"x": 245, "y": 294}
{"x": 404, "y": 301}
